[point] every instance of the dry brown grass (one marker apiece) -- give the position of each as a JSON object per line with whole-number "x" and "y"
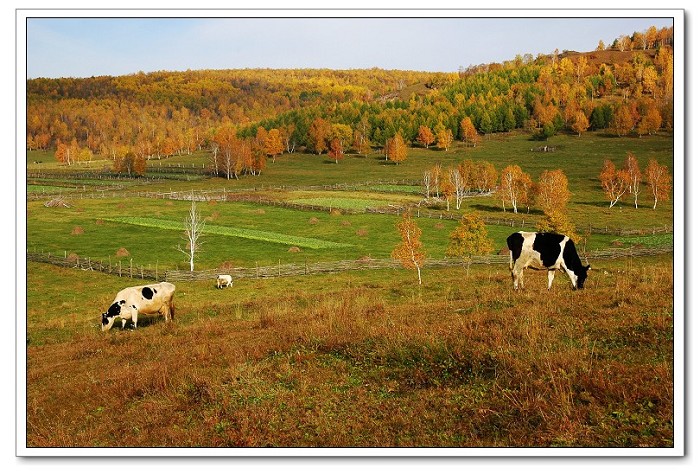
{"x": 353, "y": 360}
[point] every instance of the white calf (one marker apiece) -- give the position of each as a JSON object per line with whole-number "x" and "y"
{"x": 223, "y": 281}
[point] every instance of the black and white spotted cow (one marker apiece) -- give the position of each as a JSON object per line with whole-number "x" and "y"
{"x": 545, "y": 250}
{"x": 147, "y": 299}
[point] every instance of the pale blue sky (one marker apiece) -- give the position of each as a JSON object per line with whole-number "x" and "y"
{"x": 83, "y": 47}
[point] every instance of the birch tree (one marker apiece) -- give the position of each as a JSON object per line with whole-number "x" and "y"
{"x": 194, "y": 226}
{"x": 516, "y": 186}
{"x": 613, "y": 181}
{"x": 634, "y": 177}
{"x": 658, "y": 180}
{"x": 459, "y": 185}
{"x": 408, "y": 251}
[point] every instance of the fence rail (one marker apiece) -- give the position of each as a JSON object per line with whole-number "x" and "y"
{"x": 281, "y": 270}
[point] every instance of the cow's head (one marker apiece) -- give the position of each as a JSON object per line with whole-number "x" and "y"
{"x": 113, "y": 311}
{"x": 581, "y": 276}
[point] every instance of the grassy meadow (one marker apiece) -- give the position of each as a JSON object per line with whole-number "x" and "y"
{"x": 359, "y": 358}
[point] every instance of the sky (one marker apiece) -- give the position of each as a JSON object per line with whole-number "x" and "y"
{"x": 84, "y": 47}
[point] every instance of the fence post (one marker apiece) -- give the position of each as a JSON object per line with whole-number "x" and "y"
{"x": 120, "y": 268}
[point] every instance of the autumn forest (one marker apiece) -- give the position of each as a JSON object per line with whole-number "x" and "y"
{"x": 245, "y": 117}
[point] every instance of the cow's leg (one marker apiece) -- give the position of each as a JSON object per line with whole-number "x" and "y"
{"x": 518, "y": 282}
{"x": 572, "y": 276}
{"x": 550, "y": 277}
{"x": 165, "y": 311}
{"x": 134, "y": 315}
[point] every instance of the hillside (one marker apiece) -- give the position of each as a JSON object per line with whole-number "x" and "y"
{"x": 158, "y": 115}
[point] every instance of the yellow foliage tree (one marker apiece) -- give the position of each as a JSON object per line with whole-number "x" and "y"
{"x": 409, "y": 250}
{"x": 553, "y": 191}
{"x": 556, "y": 221}
{"x": 580, "y": 124}
{"x": 469, "y": 238}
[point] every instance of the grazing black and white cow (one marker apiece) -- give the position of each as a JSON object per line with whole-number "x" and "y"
{"x": 541, "y": 250}
{"x": 223, "y": 281}
{"x": 147, "y": 299}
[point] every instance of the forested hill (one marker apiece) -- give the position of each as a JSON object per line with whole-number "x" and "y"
{"x": 626, "y": 87}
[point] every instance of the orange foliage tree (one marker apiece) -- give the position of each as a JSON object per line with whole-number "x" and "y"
{"x": 409, "y": 250}
{"x": 425, "y": 136}
{"x": 658, "y": 180}
{"x": 623, "y": 121}
{"x": 319, "y": 131}
{"x": 273, "y": 143}
{"x": 468, "y": 131}
{"x": 613, "y": 181}
{"x": 335, "y": 150}
{"x": 397, "y": 151}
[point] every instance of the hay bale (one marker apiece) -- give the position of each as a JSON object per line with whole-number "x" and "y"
{"x": 56, "y": 202}
{"x": 335, "y": 212}
{"x": 72, "y": 257}
{"x": 345, "y": 223}
{"x": 77, "y": 230}
{"x": 294, "y": 250}
{"x": 99, "y": 222}
{"x": 313, "y": 221}
{"x": 122, "y": 252}
{"x": 226, "y": 265}
{"x": 361, "y": 232}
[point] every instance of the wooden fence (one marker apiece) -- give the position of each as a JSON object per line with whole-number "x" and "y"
{"x": 280, "y": 270}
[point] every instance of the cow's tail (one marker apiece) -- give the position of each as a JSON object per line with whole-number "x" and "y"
{"x": 172, "y": 310}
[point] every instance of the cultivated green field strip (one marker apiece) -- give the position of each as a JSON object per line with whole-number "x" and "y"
{"x": 341, "y": 203}
{"x": 252, "y": 234}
